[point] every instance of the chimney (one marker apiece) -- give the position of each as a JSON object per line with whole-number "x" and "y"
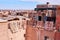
{"x": 47, "y": 3}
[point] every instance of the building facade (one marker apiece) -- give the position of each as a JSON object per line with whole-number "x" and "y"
{"x": 45, "y": 26}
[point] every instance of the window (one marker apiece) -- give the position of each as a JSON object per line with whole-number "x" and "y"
{"x": 24, "y": 35}
{"x": 46, "y": 38}
{"x": 51, "y": 19}
{"x": 39, "y": 18}
{"x": 17, "y": 14}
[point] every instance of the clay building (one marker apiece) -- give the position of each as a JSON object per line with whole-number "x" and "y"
{"x": 17, "y": 28}
{"x": 4, "y": 30}
{"x": 46, "y": 25}
{"x": 42, "y": 23}
{"x": 13, "y": 27}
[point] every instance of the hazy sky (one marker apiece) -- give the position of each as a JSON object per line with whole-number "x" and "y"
{"x": 24, "y": 4}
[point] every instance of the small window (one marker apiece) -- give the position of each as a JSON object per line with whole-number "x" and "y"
{"x": 46, "y": 38}
{"x": 24, "y": 35}
{"x": 39, "y": 18}
{"x": 49, "y": 19}
{"x": 17, "y": 14}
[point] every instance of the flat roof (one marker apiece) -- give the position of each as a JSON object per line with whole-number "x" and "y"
{"x": 1, "y": 20}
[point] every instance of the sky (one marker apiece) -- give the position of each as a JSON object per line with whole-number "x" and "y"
{"x": 24, "y": 4}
